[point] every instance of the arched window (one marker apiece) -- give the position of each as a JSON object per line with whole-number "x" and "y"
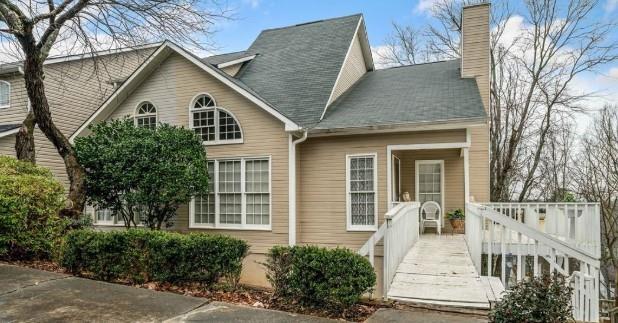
{"x": 214, "y": 124}
{"x": 146, "y": 115}
{"x": 5, "y": 94}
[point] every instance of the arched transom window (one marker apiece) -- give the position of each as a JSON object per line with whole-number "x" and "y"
{"x": 214, "y": 124}
{"x": 5, "y": 94}
{"x": 146, "y": 115}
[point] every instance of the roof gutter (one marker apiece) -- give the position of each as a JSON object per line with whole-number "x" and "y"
{"x": 401, "y": 127}
{"x": 12, "y": 69}
{"x": 292, "y": 185}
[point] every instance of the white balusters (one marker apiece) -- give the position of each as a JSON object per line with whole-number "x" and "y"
{"x": 522, "y": 237}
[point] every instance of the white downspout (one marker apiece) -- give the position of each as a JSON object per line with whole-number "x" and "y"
{"x": 292, "y": 185}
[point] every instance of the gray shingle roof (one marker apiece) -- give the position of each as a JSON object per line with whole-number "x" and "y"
{"x": 227, "y": 57}
{"x": 411, "y": 94}
{"x": 296, "y": 67}
{"x": 7, "y": 127}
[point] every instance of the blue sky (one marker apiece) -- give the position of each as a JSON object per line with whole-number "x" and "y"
{"x": 252, "y": 16}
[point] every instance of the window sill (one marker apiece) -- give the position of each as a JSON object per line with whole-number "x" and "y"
{"x": 234, "y": 228}
{"x": 222, "y": 142}
{"x": 4, "y": 106}
{"x": 362, "y": 228}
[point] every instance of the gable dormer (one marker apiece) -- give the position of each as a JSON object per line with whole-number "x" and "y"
{"x": 358, "y": 61}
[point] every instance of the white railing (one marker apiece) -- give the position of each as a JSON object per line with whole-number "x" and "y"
{"x": 578, "y": 224}
{"x": 511, "y": 244}
{"x": 399, "y": 233}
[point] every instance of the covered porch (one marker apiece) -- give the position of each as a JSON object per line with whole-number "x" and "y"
{"x": 429, "y": 172}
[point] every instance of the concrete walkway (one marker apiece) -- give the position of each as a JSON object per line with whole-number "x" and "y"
{"x": 438, "y": 271}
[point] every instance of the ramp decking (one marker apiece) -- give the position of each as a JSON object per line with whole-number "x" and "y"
{"x": 438, "y": 271}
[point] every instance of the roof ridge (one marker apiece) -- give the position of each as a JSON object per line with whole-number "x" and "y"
{"x": 312, "y": 22}
{"x": 419, "y": 64}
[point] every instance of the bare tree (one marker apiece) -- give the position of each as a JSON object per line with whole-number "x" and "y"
{"x": 85, "y": 26}
{"x": 555, "y": 176}
{"x": 532, "y": 78}
{"x": 597, "y": 180}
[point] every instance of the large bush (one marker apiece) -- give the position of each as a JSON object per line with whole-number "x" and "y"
{"x": 538, "y": 299}
{"x": 141, "y": 255}
{"x": 30, "y": 199}
{"x": 142, "y": 173}
{"x": 314, "y": 276}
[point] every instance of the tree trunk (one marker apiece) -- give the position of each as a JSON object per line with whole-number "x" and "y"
{"x": 24, "y": 141}
{"x": 615, "y": 286}
{"x": 33, "y": 76}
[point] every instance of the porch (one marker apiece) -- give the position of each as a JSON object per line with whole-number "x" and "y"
{"x": 503, "y": 244}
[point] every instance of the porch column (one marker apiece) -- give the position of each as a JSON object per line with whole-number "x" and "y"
{"x": 466, "y": 157}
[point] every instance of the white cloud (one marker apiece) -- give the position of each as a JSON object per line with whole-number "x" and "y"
{"x": 613, "y": 73}
{"x": 380, "y": 54}
{"x": 253, "y": 3}
{"x": 425, "y": 6}
{"x": 611, "y": 5}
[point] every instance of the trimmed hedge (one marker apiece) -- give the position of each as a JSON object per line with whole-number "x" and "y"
{"x": 141, "y": 255}
{"x": 30, "y": 200}
{"x": 315, "y": 276}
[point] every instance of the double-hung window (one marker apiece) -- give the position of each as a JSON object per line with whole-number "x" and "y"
{"x": 239, "y": 195}
{"x": 361, "y": 187}
{"x": 5, "y": 94}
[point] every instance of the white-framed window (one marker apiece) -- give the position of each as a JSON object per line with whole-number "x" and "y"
{"x": 146, "y": 115}
{"x": 239, "y": 195}
{"x": 362, "y": 192}
{"x": 214, "y": 124}
{"x": 5, "y": 94}
{"x": 105, "y": 217}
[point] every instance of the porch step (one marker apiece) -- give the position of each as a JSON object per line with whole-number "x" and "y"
{"x": 438, "y": 273}
{"x": 493, "y": 287}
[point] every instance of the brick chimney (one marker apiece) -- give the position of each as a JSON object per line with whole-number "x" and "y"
{"x": 475, "y": 47}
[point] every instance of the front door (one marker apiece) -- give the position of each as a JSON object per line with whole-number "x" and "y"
{"x": 430, "y": 181}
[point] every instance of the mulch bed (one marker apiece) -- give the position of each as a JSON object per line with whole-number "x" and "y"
{"x": 242, "y": 295}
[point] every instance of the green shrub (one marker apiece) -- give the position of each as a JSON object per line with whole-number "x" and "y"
{"x": 314, "y": 276}
{"x": 539, "y": 299}
{"x": 30, "y": 199}
{"x": 141, "y": 255}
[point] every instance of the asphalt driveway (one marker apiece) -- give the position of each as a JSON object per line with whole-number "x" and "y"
{"x": 30, "y": 295}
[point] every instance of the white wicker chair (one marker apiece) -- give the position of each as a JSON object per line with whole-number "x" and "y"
{"x": 431, "y": 213}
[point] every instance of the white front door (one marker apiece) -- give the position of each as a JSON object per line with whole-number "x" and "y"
{"x": 430, "y": 181}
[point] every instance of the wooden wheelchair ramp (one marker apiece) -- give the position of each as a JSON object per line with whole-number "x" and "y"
{"x": 438, "y": 271}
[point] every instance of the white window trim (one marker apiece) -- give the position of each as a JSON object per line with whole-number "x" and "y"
{"x": 243, "y": 225}
{"x": 217, "y": 141}
{"x": 8, "y": 105}
{"x": 136, "y": 115}
{"x": 442, "y": 176}
{"x": 117, "y": 222}
{"x": 349, "y": 225}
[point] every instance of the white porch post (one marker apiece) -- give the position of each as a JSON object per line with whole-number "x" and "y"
{"x": 466, "y": 157}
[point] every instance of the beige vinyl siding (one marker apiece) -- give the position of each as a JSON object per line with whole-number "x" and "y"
{"x": 475, "y": 63}
{"x": 322, "y": 195}
{"x": 353, "y": 68}
{"x": 18, "y": 107}
{"x": 7, "y": 145}
{"x": 479, "y": 164}
{"x": 75, "y": 89}
{"x": 172, "y": 87}
{"x": 232, "y": 70}
{"x": 475, "y": 50}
